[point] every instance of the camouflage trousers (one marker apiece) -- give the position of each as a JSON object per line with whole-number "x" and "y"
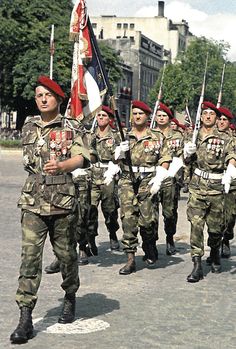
{"x": 107, "y": 196}
{"x": 209, "y": 209}
{"x": 83, "y": 190}
{"x": 168, "y": 197}
{"x": 231, "y": 210}
{"x": 138, "y": 213}
{"x": 61, "y": 230}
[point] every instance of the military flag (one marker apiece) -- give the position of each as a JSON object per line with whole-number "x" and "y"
{"x": 87, "y": 82}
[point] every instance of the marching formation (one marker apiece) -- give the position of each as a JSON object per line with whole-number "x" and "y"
{"x": 75, "y": 163}
{"x": 71, "y": 170}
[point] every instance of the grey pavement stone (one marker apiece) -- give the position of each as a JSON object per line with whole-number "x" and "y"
{"x": 152, "y": 308}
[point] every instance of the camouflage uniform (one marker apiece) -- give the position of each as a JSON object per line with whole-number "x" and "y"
{"x": 206, "y": 202}
{"x": 231, "y": 206}
{"x": 169, "y": 192}
{"x": 141, "y": 211}
{"x": 48, "y": 204}
{"x": 103, "y": 149}
{"x": 82, "y": 181}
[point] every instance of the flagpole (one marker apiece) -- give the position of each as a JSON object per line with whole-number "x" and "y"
{"x": 113, "y": 102}
{"x": 51, "y": 51}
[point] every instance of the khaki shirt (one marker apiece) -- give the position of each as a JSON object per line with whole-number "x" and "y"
{"x": 44, "y": 194}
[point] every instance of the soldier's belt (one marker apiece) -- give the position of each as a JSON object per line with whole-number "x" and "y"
{"x": 208, "y": 175}
{"x": 101, "y": 164}
{"x": 142, "y": 169}
{"x": 49, "y": 180}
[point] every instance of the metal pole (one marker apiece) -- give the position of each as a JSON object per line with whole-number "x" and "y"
{"x": 51, "y": 51}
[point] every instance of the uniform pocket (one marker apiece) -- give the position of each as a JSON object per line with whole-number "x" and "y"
{"x": 27, "y": 197}
{"x": 64, "y": 197}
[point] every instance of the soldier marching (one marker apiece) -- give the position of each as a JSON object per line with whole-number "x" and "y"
{"x": 55, "y": 148}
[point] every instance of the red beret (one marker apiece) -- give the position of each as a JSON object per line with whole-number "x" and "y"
{"x": 226, "y": 112}
{"x": 209, "y": 105}
{"x": 51, "y": 85}
{"x": 175, "y": 121}
{"x": 142, "y": 106}
{"x": 108, "y": 111}
{"x": 164, "y": 108}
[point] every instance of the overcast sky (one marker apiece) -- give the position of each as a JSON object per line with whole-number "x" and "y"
{"x": 214, "y": 19}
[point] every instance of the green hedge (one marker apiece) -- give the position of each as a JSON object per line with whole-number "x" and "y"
{"x": 10, "y": 143}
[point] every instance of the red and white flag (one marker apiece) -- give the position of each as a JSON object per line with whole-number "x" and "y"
{"x": 87, "y": 83}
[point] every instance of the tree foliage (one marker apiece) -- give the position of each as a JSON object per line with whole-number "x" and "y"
{"x": 183, "y": 80}
{"x": 25, "y": 28}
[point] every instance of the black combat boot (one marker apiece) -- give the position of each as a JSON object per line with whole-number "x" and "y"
{"x": 225, "y": 249}
{"x": 151, "y": 253}
{"x": 92, "y": 249}
{"x": 82, "y": 256}
{"x": 114, "y": 243}
{"x": 68, "y": 311}
{"x": 54, "y": 267}
{"x": 24, "y": 330}
{"x": 215, "y": 260}
{"x": 130, "y": 266}
{"x": 170, "y": 245}
{"x": 197, "y": 273}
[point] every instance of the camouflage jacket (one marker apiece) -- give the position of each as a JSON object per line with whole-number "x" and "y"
{"x": 45, "y": 194}
{"x": 148, "y": 151}
{"x": 212, "y": 156}
{"x": 175, "y": 146}
{"x": 103, "y": 149}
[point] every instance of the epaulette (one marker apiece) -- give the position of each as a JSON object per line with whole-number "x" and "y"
{"x": 31, "y": 118}
{"x": 156, "y": 131}
{"x": 177, "y": 131}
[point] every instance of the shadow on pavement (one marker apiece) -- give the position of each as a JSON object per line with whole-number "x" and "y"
{"x": 107, "y": 258}
{"x": 88, "y": 306}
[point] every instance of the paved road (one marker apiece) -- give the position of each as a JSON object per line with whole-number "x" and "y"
{"x": 152, "y": 308}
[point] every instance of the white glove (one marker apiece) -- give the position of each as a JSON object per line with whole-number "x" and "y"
{"x": 228, "y": 176}
{"x": 78, "y": 172}
{"x": 109, "y": 174}
{"x": 175, "y": 166}
{"x": 189, "y": 149}
{"x": 161, "y": 174}
{"x": 121, "y": 149}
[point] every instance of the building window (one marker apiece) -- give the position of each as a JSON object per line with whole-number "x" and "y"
{"x": 131, "y": 39}
{"x": 94, "y": 25}
{"x": 118, "y": 37}
{"x": 125, "y": 25}
{"x": 132, "y": 25}
{"x": 118, "y": 25}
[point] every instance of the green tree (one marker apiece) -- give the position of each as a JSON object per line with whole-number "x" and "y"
{"x": 25, "y": 27}
{"x": 24, "y": 36}
{"x": 183, "y": 80}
